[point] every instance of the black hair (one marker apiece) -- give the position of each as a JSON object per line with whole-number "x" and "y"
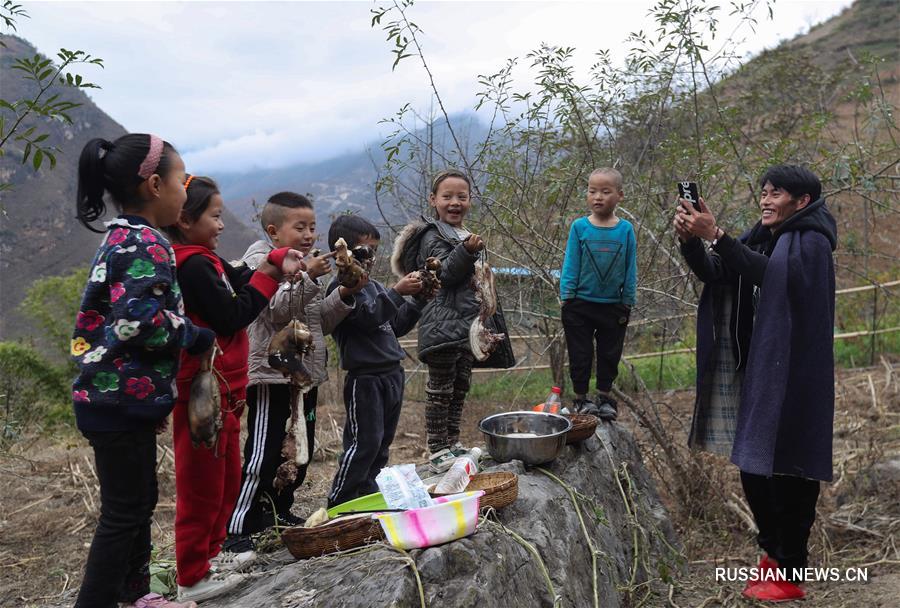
{"x": 449, "y": 173}
{"x": 106, "y": 166}
{"x": 351, "y": 228}
{"x": 273, "y": 212}
{"x": 200, "y": 191}
{"x": 794, "y": 179}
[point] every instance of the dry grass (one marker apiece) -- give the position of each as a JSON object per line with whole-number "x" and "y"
{"x": 858, "y": 515}
{"x": 49, "y": 496}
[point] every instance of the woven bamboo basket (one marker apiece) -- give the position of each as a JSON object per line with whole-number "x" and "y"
{"x": 500, "y": 488}
{"x": 338, "y": 535}
{"x": 583, "y": 426}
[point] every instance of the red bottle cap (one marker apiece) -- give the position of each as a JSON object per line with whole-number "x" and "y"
{"x": 556, "y": 390}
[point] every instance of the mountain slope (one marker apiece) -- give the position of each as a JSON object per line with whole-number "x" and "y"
{"x": 39, "y": 235}
{"x": 867, "y": 27}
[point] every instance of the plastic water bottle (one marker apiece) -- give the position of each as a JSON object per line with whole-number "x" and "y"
{"x": 552, "y": 403}
{"x": 402, "y": 488}
{"x": 457, "y": 477}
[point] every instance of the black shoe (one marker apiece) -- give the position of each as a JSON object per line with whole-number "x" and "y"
{"x": 238, "y": 543}
{"x": 288, "y": 520}
{"x": 607, "y": 408}
{"x": 585, "y": 406}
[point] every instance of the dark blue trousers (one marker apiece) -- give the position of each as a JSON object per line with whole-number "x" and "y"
{"x": 373, "y": 403}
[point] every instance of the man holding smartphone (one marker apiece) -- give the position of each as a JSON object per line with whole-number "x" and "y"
{"x": 765, "y": 360}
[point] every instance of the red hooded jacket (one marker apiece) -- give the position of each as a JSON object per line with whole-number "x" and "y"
{"x": 225, "y": 299}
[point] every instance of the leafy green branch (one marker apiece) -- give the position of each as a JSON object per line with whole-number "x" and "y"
{"x": 45, "y": 104}
{"x": 9, "y": 13}
{"x": 47, "y": 75}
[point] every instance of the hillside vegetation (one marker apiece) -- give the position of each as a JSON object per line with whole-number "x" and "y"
{"x": 39, "y": 235}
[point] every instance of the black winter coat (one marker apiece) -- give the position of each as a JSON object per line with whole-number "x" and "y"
{"x": 446, "y": 319}
{"x": 784, "y": 423}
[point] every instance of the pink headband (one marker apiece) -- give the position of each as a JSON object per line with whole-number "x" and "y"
{"x": 151, "y": 161}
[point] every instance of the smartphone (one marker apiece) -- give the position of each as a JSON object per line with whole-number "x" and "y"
{"x": 690, "y": 191}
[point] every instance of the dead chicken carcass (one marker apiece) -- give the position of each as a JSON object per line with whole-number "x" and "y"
{"x": 286, "y": 352}
{"x": 482, "y": 340}
{"x": 294, "y": 446}
{"x": 205, "y": 405}
{"x": 430, "y": 273}
{"x": 351, "y": 266}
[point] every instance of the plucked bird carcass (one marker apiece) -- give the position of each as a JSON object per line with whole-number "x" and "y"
{"x": 294, "y": 448}
{"x": 286, "y": 351}
{"x": 482, "y": 340}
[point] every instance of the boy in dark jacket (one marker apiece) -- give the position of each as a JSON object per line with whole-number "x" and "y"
{"x": 371, "y": 355}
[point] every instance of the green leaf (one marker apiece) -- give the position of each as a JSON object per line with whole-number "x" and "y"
{"x": 37, "y": 159}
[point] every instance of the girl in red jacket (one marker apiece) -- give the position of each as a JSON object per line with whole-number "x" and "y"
{"x": 226, "y": 299}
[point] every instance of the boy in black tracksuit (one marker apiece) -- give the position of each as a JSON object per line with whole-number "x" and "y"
{"x": 371, "y": 354}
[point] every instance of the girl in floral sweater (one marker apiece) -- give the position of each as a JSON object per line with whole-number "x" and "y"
{"x": 128, "y": 337}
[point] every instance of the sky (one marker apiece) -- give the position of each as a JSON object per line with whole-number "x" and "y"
{"x": 242, "y": 85}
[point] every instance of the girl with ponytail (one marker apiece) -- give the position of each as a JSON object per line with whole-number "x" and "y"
{"x": 128, "y": 338}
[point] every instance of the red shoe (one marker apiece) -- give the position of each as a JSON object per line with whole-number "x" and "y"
{"x": 774, "y": 591}
{"x": 765, "y": 564}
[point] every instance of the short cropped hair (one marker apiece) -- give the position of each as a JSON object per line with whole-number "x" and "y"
{"x": 352, "y": 228}
{"x": 794, "y": 179}
{"x": 274, "y": 210}
{"x": 615, "y": 174}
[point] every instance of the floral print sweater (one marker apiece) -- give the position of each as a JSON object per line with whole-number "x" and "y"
{"x": 130, "y": 331}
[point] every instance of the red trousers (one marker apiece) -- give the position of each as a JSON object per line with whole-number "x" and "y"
{"x": 207, "y": 483}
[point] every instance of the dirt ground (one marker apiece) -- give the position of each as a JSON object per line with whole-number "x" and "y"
{"x": 49, "y": 500}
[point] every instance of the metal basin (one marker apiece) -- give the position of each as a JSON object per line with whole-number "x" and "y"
{"x": 532, "y": 437}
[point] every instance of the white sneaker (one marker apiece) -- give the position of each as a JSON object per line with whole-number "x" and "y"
{"x": 210, "y": 586}
{"x": 226, "y": 561}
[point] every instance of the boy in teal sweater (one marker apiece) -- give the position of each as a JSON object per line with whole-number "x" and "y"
{"x": 597, "y": 289}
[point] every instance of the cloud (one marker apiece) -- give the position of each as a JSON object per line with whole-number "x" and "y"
{"x": 238, "y": 85}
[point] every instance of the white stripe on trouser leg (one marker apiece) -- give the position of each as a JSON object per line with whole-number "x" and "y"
{"x": 341, "y": 476}
{"x": 251, "y": 483}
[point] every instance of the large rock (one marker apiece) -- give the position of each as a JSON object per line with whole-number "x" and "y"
{"x": 632, "y": 541}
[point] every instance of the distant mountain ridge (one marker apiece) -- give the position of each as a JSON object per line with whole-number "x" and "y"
{"x": 39, "y": 236}
{"x": 341, "y": 184}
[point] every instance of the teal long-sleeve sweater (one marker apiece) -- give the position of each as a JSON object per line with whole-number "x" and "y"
{"x": 600, "y": 263}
